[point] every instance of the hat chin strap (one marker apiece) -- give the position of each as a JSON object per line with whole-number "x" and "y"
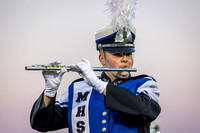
{"x": 102, "y": 53}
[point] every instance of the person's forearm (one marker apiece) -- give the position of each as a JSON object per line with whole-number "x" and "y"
{"x": 123, "y": 100}
{"x": 45, "y": 101}
{"x": 46, "y": 116}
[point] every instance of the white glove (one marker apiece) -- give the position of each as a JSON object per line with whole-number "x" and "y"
{"x": 52, "y": 79}
{"x": 89, "y": 76}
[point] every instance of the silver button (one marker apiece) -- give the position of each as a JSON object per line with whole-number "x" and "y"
{"x": 103, "y": 121}
{"x": 104, "y": 129}
{"x": 104, "y": 113}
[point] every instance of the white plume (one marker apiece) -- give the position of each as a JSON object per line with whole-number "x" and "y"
{"x": 122, "y": 13}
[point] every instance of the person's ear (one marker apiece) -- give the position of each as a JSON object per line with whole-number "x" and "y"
{"x": 101, "y": 60}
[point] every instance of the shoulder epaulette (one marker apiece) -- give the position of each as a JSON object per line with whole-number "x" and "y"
{"x": 143, "y": 76}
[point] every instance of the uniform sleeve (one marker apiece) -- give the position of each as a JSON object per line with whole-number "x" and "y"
{"x": 50, "y": 118}
{"x": 143, "y": 105}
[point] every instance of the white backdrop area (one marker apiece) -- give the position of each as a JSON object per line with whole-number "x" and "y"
{"x": 37, "y": 31}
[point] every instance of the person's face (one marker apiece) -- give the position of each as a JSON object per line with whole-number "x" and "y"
{"x": 117, "y": 60}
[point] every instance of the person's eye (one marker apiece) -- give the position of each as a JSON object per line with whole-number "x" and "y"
{"x": 117, "y": 54}
{"x": 129, "y": 54}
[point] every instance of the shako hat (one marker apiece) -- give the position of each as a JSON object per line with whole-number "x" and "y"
{"x": 121, "y": 41}
{"x": 119, "y": 36}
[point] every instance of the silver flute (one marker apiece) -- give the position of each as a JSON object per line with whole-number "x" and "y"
{"x": 68, "y": 68}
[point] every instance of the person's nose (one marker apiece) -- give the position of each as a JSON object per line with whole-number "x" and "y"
{"x": 124, "y": 58}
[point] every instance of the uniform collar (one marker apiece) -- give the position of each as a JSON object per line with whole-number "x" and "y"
{"x": 105, "y": 78}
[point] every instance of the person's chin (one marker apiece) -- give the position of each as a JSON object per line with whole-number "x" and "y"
{"x": 123, "y": 74}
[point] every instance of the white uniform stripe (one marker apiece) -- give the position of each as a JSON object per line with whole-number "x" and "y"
{"x": 150, "y": 88}
{"x": 81, "y": 87}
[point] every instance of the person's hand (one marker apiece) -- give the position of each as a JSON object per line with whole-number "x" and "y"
{"x": 89, "y": 76}
{"x": 52, "y": 79}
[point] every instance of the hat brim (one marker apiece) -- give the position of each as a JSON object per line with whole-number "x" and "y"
{"x": 120, "y": 49}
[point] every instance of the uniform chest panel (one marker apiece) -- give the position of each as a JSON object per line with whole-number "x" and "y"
{"x": 86, "y": 110}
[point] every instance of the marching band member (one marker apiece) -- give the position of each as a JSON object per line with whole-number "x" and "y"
{"x": 115, "y": 102}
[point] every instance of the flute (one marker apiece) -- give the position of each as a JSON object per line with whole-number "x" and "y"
{"x": 68, "y": 68}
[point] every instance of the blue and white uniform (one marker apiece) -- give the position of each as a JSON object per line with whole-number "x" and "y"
{"x": 128, "y": 107}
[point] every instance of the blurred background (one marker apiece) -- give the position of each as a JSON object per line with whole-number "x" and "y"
{"x": 37, "y": 31}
